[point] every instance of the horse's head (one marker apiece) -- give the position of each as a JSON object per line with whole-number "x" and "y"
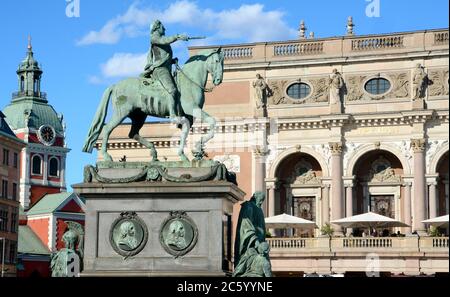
{"x": 214, "y": 64}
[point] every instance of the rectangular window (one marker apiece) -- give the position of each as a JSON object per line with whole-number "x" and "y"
{"x": 5, "y": 157}
{"x": 16, "y": 160}
{"x": 1, "y": 249}
{"x": 14, "y": 222}
{"x": 3, "y": 219}
{"x": 14, "y": 191}
{"x": 12, "y": 252}
{"x": 5, "y": 189}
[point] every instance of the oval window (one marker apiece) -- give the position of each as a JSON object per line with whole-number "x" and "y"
{"x": 298, "y": 90}
{"x": 377, "y": 86}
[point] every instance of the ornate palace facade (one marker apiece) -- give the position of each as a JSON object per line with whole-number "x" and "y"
{"x": 329, "y": 128}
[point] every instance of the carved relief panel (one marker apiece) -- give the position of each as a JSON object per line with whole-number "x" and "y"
{"x": 319, "y": 91}
{"x": 398, "y": 82}
{"x": 438, "y": 82}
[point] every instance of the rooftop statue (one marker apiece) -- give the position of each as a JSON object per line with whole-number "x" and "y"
{"x": 157, "y": 93}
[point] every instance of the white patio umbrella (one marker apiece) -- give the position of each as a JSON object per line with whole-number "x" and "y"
{"x": 438, "y": 221}
{"x": 288, "y": 221}
{"x": 369, "y": 220}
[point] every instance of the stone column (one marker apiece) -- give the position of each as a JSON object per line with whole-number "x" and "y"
{"x": 446, "y": 195}
{"x": 433, "y": 199}
{"x": 336, "y": 185}
{"x": 325, "y": 204}
{"x": 407, "y": 206}
{"x": 418, "y": 146}
{"x": 271, "y": 202}
{"x": 349, "y": 204}
{"x": 260, "y": 169}
{"x": 62, "y": 172}
{"x": 348, "y": 201}
{"x": 271, "y": 199}
{"x": 45, "y": 170}
{"x": 289, "y": 199}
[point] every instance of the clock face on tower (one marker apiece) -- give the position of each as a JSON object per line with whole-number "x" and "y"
{"x": 46, "y": 134}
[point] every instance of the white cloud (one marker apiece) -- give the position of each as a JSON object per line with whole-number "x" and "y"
{"x": 123, "y": 65}
{"x": 248, "y": 23}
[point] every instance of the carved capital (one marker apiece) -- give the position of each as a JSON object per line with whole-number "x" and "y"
{"x": 260, "y": 151}
{"x": 418, "y": 145}
{"x": 336, "y": 148}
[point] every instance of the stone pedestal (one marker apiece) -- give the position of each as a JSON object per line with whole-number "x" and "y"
{"x": 158, "y": 228}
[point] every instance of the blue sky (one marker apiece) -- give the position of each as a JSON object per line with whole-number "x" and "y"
{"x": 80, "y": 56}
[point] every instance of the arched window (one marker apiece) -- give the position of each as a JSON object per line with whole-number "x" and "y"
{"x": 36, "y": 165}
{"x": 53, "y": 168}
{"x": 22, "y": 83}
{"x": 298, "y": 90}
{"x": 377, "y": 86}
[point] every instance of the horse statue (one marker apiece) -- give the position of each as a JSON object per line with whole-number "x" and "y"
{"x": 139, "y": 97}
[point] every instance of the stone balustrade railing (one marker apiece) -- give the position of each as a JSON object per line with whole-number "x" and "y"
{"x": 433, "y": 243}
{"x": 296, "y": 49}
{"x": 377, "y": 43}
{"x": 334, "y": 47}
{"x": 375, "y": 242}
{"x": 440, "y": 242}
{"x": 286, "y": 243}
{"x": 366, "y": 244}
{"x": 238, "y": 53}
{"x": 441, "y": 38}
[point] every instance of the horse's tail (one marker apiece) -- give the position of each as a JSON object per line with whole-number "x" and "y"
{"x": 97, "y": 123}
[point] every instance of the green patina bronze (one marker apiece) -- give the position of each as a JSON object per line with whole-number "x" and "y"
{"x": 158, "y": 171}
{"x": 128, "y": 235}
{"x": 67, "y": 261}
{"x": 251, "y": 251}
{"x": 178, "y": 234}
{"x": 157, "y": 94}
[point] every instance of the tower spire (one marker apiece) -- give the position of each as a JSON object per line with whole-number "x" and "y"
{"x": 30, "y": 47}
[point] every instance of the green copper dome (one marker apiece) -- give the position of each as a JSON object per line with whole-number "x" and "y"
{"x": 33, "y": 114}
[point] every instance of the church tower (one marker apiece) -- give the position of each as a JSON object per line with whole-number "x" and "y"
{"x": 43, "y": 160}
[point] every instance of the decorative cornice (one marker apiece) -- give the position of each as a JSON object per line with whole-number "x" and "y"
{"x": 406, "y": 118}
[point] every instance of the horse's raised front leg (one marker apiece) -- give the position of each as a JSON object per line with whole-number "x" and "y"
{"x": 199, "y": 146}
{"x": 147, "y": 144}
{"x": 116, "y": 119}
{"x": 185, "y": 126}
{"x": 138, "y": 120}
